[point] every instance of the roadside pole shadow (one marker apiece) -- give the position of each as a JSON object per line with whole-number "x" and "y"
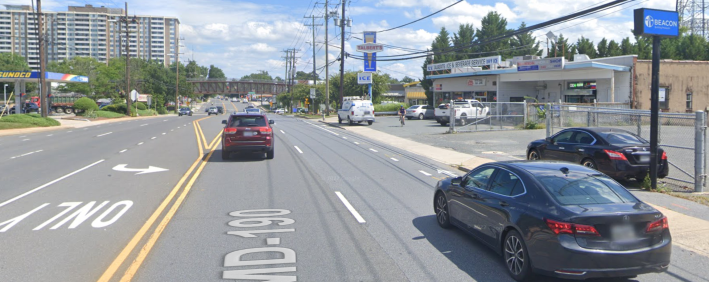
{"x": 473, "y": 257}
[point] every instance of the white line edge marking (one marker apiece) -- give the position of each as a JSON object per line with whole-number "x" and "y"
{"x": 373, "y": 150}
{"x": 164, "y": 133}
{"x": 299, "y": 151}
{"x": 343, "y": 137}
{"x": 425, "y": 173}
{"x": 393, "y": 159}
{"x": 141, "y": 143}
{"x": 26, "y": 140}
{"x": 283, "y": 132}
{"x": 103, "y": 134}
{"x": 143, "y": 124}
{"x": 354, "y": 212}
{"x": 49, "y": 183}
{"x": 26, "y": 154}
{"x": 50, "y": 135}
{"x": 356, "y": 143}
{"x": 123, "y": 151}
{"x": 153, "y": 138}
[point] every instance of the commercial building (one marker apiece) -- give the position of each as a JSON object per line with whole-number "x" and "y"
{"x": 87, "y": 32}
{"x": 684, "y": 86}
{"x": 396, "y": 93}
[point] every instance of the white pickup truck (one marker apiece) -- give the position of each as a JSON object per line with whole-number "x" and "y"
{"x": 356, "y": 111}
{"x": 464, "y": 110}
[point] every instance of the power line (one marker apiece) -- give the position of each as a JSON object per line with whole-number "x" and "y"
{"x": 403, "y": 25}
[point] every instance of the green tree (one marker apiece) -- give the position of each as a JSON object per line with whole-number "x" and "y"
{"x": 407, "y": 79}
{"x": 440, "y": 44}
{"x": 462, "y": 40}
{"x": 585, "y": 46}
{"x": 670, "y": 49}
{"x": 524, "y": 44}
{"x": 614, "y": 49}
{"x": 693, "y": 47}
{"x": 261, "y": 75}
{"x": 562, "y": 48}
{"x": 195, "y": 71}
{"x": 491, "y": 26}
{"x": 602, "y": 48}
{"x": 216, "y": 73}
{"x": 380, "y": 85}
{"x": 626, "y": 47}
{"x": 12, "y": 62}
{"x": 643, "y": 47}
{"x": 85, "y": 66}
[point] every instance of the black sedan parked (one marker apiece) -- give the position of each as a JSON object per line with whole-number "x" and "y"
{"x": 185, "y": 112}
{"x": 557, "y": 219}
{"x": 615, "y": 152}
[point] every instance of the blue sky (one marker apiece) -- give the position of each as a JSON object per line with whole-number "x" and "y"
{"x": 242, "y": 37}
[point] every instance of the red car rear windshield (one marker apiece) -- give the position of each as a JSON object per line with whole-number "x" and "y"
{"x": 247, "y": 121}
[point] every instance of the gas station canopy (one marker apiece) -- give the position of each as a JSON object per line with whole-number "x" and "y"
{"x": 25, "y": 76}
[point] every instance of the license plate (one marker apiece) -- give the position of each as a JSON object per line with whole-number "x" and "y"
{"x": 623, "y": 232}
{"x": 644, "y": 158}
{"x": 249, "y": 133}
{"x": 367, "y": 112}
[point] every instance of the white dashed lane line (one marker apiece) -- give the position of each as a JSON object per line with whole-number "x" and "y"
{"x": 141, "y": 143}
{"x": 373, "y": 150}
{"x": 25, "y": 139}
{"x": 153, "y": 138}
{"x": 123, "y": 151}
{"x": 356, "y": 143}
{"x": 283, "y": 132}
{"x": 104, "y": 134}
{"x": 425, "y": 173}
{"x": 349, "y": 207}
{"x": 26, "y": 154}
{"x": 393, "y": 159}
{"x": 299, "y": 151}
{"x": 143, "y": 124}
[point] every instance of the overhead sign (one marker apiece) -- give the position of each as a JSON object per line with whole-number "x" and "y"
{"x": 650, "y": 22}
{"x": 541, "y": 64}
{"x": 52, "y": 76}
{"x": 370, "y": 47}
{"x": 364, "y": 78}
{"x": 370, "y": 59}
{"x": 312, "y": 93}
{"x": 478, "y": 62}
{"x": 19, "y": 74}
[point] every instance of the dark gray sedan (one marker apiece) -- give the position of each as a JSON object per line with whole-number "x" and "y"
{"x": 556, "y": 219}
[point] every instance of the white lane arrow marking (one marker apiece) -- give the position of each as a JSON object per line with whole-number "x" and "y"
{"x": 440, "y": 171}
{"x": 150, "y": 169}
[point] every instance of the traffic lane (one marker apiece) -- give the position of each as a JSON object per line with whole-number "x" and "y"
{"x": 68, "y": 155}
{"x": 681, "y": 268}
{"x": 390, "y": 200}
{"x": 88, "y": 218}
{"x": 328, "y": 245}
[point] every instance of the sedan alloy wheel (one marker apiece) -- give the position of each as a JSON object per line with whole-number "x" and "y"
{"x": 441, "y": 208}
{"x": 516, "y": 258}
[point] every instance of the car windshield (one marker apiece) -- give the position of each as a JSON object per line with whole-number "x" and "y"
{"x": 584, "y": 189}
{"x": 245, "y": 121}
{"x": 622, "y": 139}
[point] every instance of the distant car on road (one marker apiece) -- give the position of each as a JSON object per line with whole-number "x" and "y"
{"x": 557, "y": 219}
{"x": 244, "y": 101}
{"x": 420, "y": 112}
{"x": 356, "y": 111}
{"x": 615, "y": 152}
{"x": 233, "y": 99}
{"x": 250, "y": 107}
{"x": 212, "y": 110}
{"x": 185, "y": 112}
{"x": 220, "y": 109}
{"x": 280, "y": 111}
{"x": 246, "y": 132}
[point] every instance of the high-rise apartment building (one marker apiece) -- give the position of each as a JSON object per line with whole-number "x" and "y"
{"x": 88, "y": 32}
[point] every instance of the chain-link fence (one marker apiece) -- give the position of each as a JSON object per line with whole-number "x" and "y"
{"x": 682, "y": 136}
{"x": 489, "y": 116}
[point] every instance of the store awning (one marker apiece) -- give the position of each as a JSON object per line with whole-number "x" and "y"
{"x": 416, "y": 95}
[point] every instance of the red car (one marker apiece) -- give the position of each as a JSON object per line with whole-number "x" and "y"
{"x": 245, "y": 132}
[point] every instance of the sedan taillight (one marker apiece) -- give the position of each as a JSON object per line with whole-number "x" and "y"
{"x": 618, "y": 156}
{"x": 657, "y": 225}
{"x": 570, "y": 228}
{"x": 265, "y": 130}
{"x": 230, "y": 130}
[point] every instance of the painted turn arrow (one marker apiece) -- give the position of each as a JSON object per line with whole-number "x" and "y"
{"x": 150, "y": 169}
{"x": 440, "y": 171}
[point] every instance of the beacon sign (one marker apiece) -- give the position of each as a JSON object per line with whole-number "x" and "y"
{"x": 649, "y": 22}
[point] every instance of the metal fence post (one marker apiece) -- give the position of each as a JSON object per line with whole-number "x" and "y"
{"x": 699, "y": 127}
{"x": 639, "y": 119}
{"x": 547, "y": 118}
{"x": 451, "y": 111}
{"x": 524, "y": 119}
{"x": 588, "y": 119}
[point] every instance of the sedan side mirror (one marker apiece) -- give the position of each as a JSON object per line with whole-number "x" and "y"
{"x": 271, "y": 122}
{"x": 223, "y": 121}
{"x": 457, "y": 181}
{"x": 548, "y": 139}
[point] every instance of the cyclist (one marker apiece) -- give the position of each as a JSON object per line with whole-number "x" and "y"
{"x": 402, "y": 113}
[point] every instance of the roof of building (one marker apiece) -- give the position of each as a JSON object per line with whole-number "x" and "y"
{"x": 396, "y": 87}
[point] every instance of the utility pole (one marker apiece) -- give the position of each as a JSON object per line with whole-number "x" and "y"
{"x": 315, "y": 75}
{"x": 292, "y": 74}
{"x": 177, "y": 69}
{"x": 327, "y": 63}
{"x": 286, "y": 79}
{"x": 43, "y": 103}
{"x": 128, "y": 90}
{"x": 342, "y": 51}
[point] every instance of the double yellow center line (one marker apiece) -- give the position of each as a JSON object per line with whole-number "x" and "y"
{"x": 128, "y": 249}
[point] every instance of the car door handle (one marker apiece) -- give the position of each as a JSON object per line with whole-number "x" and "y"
{"x": 561, "y": 148}
{"x": 504, "y": 204}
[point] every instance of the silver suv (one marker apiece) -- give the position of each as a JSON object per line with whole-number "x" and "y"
{"x": 213, "y": 110}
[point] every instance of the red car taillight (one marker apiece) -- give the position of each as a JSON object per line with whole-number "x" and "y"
{"x": 569, "y": 228}
{"x": 657, "y": 225}
{"x": 618, "y": 156}
{"x": 664, "y": 155}
{"x": 265, "y": 130}
{"x": 230, "y": 130}
{"x": 352, "y": 113}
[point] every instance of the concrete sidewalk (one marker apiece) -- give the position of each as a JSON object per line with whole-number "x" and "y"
{"x": 689, "y": 221}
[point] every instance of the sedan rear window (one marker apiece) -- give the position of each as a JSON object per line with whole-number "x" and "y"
{"x": 622, "y": 138}
{"x": 582, "y": 189}
{"x": 413, "y": 107}
{"x": 248, "y": 121}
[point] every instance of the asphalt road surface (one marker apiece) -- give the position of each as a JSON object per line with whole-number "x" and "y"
{"x": 152, "y": 200}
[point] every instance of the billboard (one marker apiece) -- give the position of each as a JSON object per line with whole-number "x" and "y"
{"x": 650, "y": 22}
{"x": 478, "y": 62}
{"x": 370, "y": 59}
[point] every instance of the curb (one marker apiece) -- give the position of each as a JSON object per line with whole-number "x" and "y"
{"x": 464, "y": 169}
{"x": 332, "y": 125}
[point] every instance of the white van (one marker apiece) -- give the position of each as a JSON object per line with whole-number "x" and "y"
{"x": 356, "y": 111}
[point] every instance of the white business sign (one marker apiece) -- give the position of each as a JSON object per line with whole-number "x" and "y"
{"x": 312, "y": 93}
{"x": 541, "y": 64}
{"x": 364, "y": 78}
{"x": 663, "y": 92}
{"x": 478, "y": 62}
{"x": 370, "y": 48}
{"x": 133, "y": 95}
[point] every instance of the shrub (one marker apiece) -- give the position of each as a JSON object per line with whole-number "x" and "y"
{"x": 162, "y": 111}
{"x": 85, "y": 104}
{"x": 116, "y": 108}
{"x": 534, "y": 125}
{"x": 33, "y": 119}
{"x": 389, "y": 107}
{"x": 141, "y": 106}
{"x": 108, "y": 114}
